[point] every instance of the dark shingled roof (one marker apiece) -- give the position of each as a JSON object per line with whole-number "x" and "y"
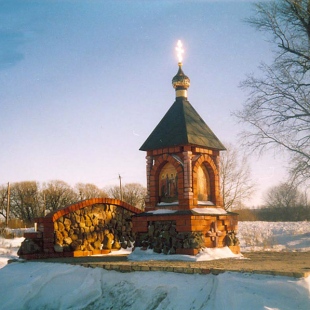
{"x": 182, "y": 125}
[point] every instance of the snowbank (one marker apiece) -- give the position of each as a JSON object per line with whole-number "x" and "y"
{"x": 59, "y": 286}
{"x": 34, "y": 285}
{"x": 8, "y": 249}
{"x": 274, "y": 236}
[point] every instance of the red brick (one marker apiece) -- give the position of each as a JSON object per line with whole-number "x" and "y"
{"x": 138, "y": 218}
{"x": 46, "y": 220}
{"x": 197, "y": 222}
{"x": 198, "y": 228}
{"x": 141, "y": 229}
{"x": 32, "y": 235}
{"x": 78, "y": 253}
{"x": 208, "y": 242}
{"x": 105, "y": 251}
{"x": 184, "y": 228}
{"x": 71, "y": 208}
{"x": 48, "y": 243}
{"x": 180, "y": 222}
{"x": 48, "y": 232}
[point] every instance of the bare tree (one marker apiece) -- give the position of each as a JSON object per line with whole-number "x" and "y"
{"x": 58, "y": 194}
{"x": 284, "y": 195}
{"x": 277, "y": 111}
{"x": 87, "y": 191}
{"x": 3, "y": 200}
{"x": 235, "y": 178}
{"x": 26, "y": 203}
{"x": 285, "y": 202}
{"x": 133, "y": 193}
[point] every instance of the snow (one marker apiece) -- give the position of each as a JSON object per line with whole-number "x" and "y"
{"x": 35, "y": 285}
{"x": 58, "y": 286}
{"x": 209, "y": 210}
{"x": 175, "y": 203}
{"x": 205, "y": 210}
{"x": 206, "y": 254}
{"x": 274, "y": 236}
{"x": 162, "y": 211}
{"x": 8, "y": 249}
{"x": 206, "y": 203}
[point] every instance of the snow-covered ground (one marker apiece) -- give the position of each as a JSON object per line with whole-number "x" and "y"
{"x": 34, "y": 285}
{"x": 8, "y": 249}
{"x": 274, "y": 236}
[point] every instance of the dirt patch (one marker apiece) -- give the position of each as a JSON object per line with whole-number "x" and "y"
{"x": 293, "y": 264}
{"x": 279, "y": 263}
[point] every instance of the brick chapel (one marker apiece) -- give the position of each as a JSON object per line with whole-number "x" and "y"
{"x": 183, "y": 186}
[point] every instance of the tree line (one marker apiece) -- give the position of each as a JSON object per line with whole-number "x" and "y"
{"x": 283, "y": 202}
{"x": 286, "y": 201}
{"x": 31, "y": 199}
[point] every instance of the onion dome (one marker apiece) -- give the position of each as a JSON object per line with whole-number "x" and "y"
{"x": 180, "y": 83}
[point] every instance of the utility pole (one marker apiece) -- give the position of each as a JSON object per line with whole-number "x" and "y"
{"x": 120, "y": 186}
{"x": 8, "y": 206}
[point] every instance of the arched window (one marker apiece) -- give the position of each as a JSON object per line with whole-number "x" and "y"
{"x": 203, "y": 184}
{"x": 168, "y": 184}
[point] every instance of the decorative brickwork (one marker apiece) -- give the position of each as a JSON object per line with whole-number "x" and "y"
{"x": 186, "y": 161}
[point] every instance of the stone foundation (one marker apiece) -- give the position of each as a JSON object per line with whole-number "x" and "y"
{"x": 183, "y": 232}
{"x": 163, "y": 237}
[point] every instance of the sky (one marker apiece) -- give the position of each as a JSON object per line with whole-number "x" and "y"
{"x": 83, "y": 83}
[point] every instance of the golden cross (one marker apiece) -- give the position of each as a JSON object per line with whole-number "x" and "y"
{"x": 180, "y": 51}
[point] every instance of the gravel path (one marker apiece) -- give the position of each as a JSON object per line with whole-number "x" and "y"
{"x": 293, "y": 264}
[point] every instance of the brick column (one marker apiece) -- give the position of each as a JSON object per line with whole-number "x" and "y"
{"x": 218, "y": 194}
{"x": 149, "y": 165}
{"x": 188, "y": 178}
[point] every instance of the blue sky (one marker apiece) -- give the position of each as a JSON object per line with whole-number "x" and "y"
{"x": 83, "y": 83}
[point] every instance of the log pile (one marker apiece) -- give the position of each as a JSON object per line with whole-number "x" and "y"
{"x": 97, "y": 227}
{"x": 162, "y": 237}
